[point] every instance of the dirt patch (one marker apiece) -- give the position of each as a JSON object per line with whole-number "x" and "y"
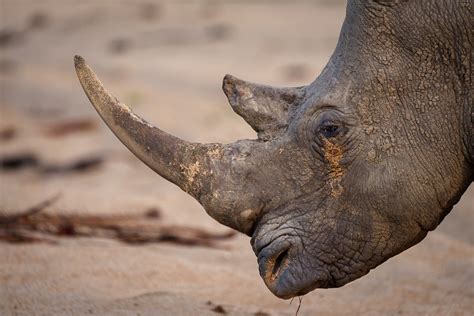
{"x": 333, "y": 153}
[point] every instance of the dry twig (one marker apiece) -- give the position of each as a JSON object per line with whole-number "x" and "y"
{"x": 33, "y": 225}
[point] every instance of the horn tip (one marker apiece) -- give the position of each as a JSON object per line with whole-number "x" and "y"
{"x": 226, "y": 83}
{"x": 229, "y": 79}
{"x": 79, "y": 61}
{"x": 229, "y": 85}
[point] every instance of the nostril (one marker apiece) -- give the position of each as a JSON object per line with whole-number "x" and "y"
{"x": 280, "y": 262}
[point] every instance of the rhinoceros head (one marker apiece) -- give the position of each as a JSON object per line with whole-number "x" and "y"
{"x": 347, "y": 171}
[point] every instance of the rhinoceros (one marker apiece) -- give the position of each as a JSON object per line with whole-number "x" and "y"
{"x": 347, "y": 171}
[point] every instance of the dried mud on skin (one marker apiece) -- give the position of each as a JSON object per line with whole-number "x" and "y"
{"x": 35, "y": 225}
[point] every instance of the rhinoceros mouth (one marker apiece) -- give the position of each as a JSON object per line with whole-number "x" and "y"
{"x": 274, "y": 261}
{"x": 281, "y": 270}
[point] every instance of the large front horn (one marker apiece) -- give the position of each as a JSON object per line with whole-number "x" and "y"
{"x": 225, "y": 179}
{"x": 176, "y": 160}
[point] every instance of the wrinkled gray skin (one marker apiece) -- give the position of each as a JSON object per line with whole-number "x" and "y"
{"x": 348, "y": 171}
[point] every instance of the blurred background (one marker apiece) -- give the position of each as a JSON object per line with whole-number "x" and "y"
{"x": 166, "y": 59}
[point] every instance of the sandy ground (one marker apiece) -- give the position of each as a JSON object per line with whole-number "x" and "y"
{"x": 167, "y": 60}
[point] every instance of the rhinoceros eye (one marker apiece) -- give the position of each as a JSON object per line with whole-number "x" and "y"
{"x": 329, "y": 130}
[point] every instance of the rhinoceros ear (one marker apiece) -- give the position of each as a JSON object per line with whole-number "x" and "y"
{"x": 264, "y": 108}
